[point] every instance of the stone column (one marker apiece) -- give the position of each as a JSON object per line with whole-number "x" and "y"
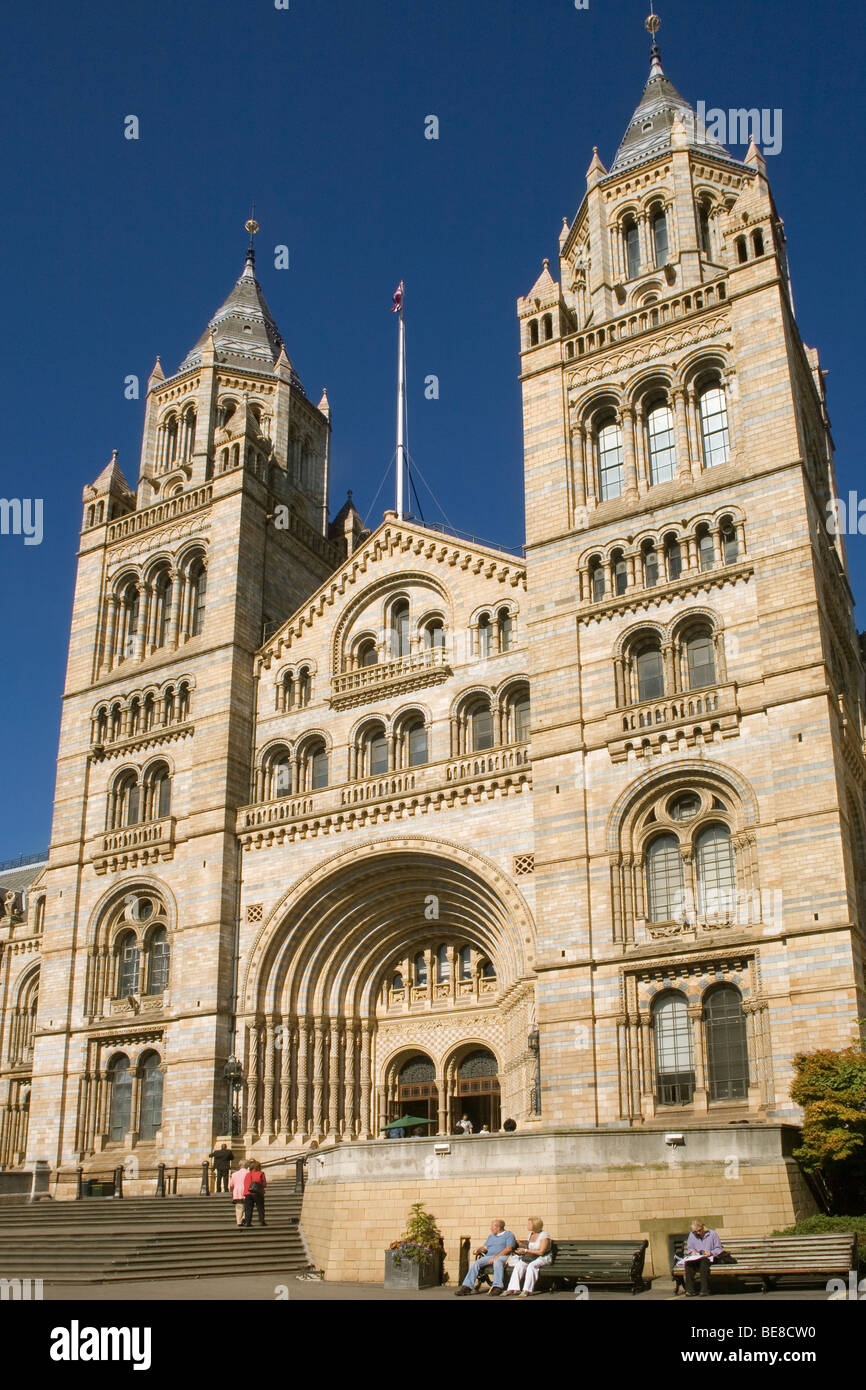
{"x": 382, "y": 1109}
{"x": 113, "y": 605}
{"x": 303, "y": 1058}
{"x": 252, "y": 1082}
{"x": 628, "y": 455}
{"x": 334, "y": 1077}
{"x": 349, "y": 1081}
{"x": 365, "y": 1131}
{"x": 268, "y": 1105}
{"x": 695, "y": 1013}
{"x": 684, "y": 466}
{"x": 144, "y": 604}
{"x": 643, "y": 479}
{"x": 135, "y": 1093}
{"x": 578, "y": 444}
{"x": 285, "y": 1078}
{"x": 441, "y": 1103}
{"x": 177, "y": 586}
{"x": 318, "y": 1076}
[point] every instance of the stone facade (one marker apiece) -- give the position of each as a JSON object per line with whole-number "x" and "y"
{"x": 303, "y": 820}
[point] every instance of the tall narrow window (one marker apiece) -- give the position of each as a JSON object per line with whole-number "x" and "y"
{"x": 730, "y": 547}
{"x": 704, "y": 237}
{"x": 377, "y": 754}
{"x": 420, "y": 968}
{"x": 443, "y": 965}
{"x": 163, "y": 609}
{"x": 660, "y": 237}
{"x": 714, "y": 426}
{"x": 305, "y": 686}
{"x": 521, "y": 720}
{"x": 706, "y": 551}
{"x": 650, "y": 567}
{"x": 128, "y": 961}
{"x": 126, "y": 801}
{"x": 596, "y": 579}
{"x": 120, "y": 1083}
{"x": 482, "y": 729}
{"x": 727, "y": 1050}
{"x": 631, "y": 239}
{"x": 131, "y": 611}
{"x": 465, "y": 966}
{"x": 366, "y": 654}
{"x": 318, "y": 767}
{"x": 675, "y": 1065}
{"x": 618, "y": 572}
{"x": 417, "y": 745}
{"x": 400, "y": 629}
{"x": 505, "y": 626}
{"x": 198, "y": 582}
{"x": 151, "y": 1096}
{"x": 610, "y": 461}
{"x": 485, "y": 635}
{"x": 700, "y": 660}
{"x": 650, "y": 674}
{"x": 662, "y": 451}
{"x": 159, "y": 961}
{"x": 434, "y": 635}
{"x": 665, "y": 879}
{"x": 674, "y": 558}
{"x": 717, "y": 880}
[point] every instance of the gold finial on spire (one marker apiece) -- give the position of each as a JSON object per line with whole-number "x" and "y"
{"x": 652, "y": 23}
{"x": 252, "y": 227}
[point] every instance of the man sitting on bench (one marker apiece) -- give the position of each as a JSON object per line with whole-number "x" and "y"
{"x": 702, "y": 1247}
{"x": 499, "y": 1245}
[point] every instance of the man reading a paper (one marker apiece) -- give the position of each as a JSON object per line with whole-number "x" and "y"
{"x": 702, "y": 1247}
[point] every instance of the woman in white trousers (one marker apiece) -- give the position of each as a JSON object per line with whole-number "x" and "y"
{"x": 537, "y": 1244}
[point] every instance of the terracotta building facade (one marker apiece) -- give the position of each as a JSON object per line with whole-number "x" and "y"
{"x": 351, "y": 824}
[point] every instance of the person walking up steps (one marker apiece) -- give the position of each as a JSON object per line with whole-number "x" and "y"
{"x": 238, "y": 1183}
{"x": 254, "y": 1196}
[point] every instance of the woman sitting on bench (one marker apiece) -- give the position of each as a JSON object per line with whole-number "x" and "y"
{"x": 529, "y": 1259}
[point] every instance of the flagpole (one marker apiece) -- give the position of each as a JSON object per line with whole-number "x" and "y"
{"x": 401, "y": 409}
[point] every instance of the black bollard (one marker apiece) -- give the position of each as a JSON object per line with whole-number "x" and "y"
{"x": 79, "y": 1185}
{"x": 160, "y": 1179}
{"x": 299, "y": 1174}
{"x": 118, "y": 1182}
{"x": 204, "y": 1190}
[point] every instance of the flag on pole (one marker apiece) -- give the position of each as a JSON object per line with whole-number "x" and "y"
{"x": 398, "y": 299}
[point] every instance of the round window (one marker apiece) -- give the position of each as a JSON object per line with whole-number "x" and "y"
{"x": 685, "y": 807}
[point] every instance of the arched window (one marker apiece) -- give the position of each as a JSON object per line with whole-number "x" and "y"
{"x": 618, "y": 572}
{"x": 609, "y": 447}
{"x": 547, "y": 327}
{"x": 704, "y": 236}
{"x": 505, "y": 629}
{"x": 420, "y": 968}
{"x": 102, "y": 725}
{"x": 742, "y": 250}
{"x": 305, "y": 687}
{"x": 758, "y": 241}
{"x": 313, "y": 766}
{"x": 664, "y": 869}
{"x": 717, "y": 880}
{"x": 134, "y": 716}
{"x": 128, "y": 961}
{"x": 131, "y": 607}
{"x": 714, "y": 426}
{"x": 650, "y": 565}
{"x": 374, "y": 752}
{"x": 659, "y": 226}
{"x": 126, "y": 801}
{"x": 158, "y": 961}
{"x": 700, "y": 660}
{"x": 399, "y": 634}
{"x": 413, "y": 743}
{"x": 674, "y": 1056}
{"x": 162, "y": 597}
{"x": 120, "y": 1085}
{"x": 397, "y": 980}
{"x": 366, "y": 653}
{"x": 464, "y": 963}
{"x": 485, "y": 635}
{"x": 728, "y": 535}
{"x": 157, "y": 792}
{"x": 631, "y": 247}
{"x": 481, "y": 728}
{"x": 443, "y": 965}
{"x": 149, "y": 712}
{"x": 706, "y": 550}
{"x": 278, "y": 774}
{"x": 727, "y": 1049}
{"x": 519, "y": 717}
{"x": 673, "y": 557}
{"x": 596, "y": 578}
{"x": 662, "y": 451}
{"x": 150, "y": 1073}
{"x": 650, "y": 671}
{"x": 533, "y": 332}
{"x": 487, "y": 969}
{"x": 434, "y": 635}
{"x": 198, "y": 597}
{"x": 288, "y": 691}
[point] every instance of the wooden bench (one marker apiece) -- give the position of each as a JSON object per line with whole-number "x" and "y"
{"x": 595, "y": 1262}
{"x": 770, "y": 1258}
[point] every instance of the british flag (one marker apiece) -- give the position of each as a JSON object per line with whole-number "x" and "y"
{"x": 398, "y": 299}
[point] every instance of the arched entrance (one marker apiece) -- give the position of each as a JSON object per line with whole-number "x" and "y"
{"x": 395, "y": 954}
{"x": 474, "y": 1089}
{"x": 413, "y": 1090}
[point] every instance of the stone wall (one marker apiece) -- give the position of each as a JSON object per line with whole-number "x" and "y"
{"x": 590, "y": 1184}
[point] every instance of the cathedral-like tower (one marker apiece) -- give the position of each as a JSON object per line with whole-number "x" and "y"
{"x": 178, "y": 583}
{"x": 697, "y": 739}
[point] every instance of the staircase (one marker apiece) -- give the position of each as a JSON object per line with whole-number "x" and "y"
{"x": 103, "y": 1240}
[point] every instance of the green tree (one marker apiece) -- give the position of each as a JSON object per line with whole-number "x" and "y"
{"x": 831, "y": 1088}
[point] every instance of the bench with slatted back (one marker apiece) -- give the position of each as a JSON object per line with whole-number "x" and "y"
{"x": 598, "y": 1262}
{"x": 770, "y": 1258}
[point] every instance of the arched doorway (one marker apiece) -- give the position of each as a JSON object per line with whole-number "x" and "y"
{"x": 475, "y": 1089}
{"x": 414, "y": 1091}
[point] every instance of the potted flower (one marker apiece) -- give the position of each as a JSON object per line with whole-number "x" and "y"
{"x": 415, "y": 1260}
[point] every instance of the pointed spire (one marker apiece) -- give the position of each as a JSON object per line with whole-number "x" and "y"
{"x": 325, "y": 406}
{"x": 596, "y": 170}
{"x": 110, "y": 480}
{"x": 242, "y": 332}
{"x": 754, "y": 156}
{"x": 156, "y": 376}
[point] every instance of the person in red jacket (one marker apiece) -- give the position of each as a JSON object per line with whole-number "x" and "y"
{"x": 254, "y": 1193}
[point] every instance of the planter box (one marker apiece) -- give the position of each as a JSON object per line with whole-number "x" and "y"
{"x": 409, "y": 1275}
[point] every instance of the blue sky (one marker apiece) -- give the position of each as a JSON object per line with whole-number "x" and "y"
{"x": 116, "y": 250}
